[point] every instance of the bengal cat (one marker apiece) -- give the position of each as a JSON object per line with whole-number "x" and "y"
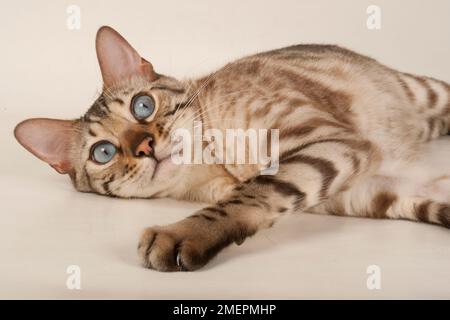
{"x": 352, "y": 132}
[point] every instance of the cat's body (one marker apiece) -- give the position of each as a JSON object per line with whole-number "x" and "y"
{"x": 353, "y": 138}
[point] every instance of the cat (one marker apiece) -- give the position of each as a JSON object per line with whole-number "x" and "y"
{"x": 351, "y": 132}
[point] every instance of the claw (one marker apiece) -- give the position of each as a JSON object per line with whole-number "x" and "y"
{"x": 179, "y": 262}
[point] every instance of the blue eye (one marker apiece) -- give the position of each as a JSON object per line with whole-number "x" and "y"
{"x": 142, "y": 107}
{"x": 103, "y": 152}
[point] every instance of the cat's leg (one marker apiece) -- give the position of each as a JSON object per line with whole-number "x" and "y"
{"x": 431, "y": 100}
{"x": 307, "y": 175}
{"x": 190, "y": 243}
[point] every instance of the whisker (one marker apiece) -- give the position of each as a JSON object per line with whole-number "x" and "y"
{"x": 124, "y": 178}
{"x": 196, "y": 94}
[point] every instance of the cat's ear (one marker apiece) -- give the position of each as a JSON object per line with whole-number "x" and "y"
{"x": 118, "y": 60}
{"x": 49, "y": 140}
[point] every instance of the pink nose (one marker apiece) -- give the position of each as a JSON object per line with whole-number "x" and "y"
{"x": 144, "y": 148}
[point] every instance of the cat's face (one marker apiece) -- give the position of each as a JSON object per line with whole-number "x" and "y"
{"x": 125, "y": 139}
{"x": 122, "y": 145}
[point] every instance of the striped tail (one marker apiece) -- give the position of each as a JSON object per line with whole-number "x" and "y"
{"x": 379, "y": 203}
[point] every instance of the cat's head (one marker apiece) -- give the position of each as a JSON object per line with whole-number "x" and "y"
{"x": 122, "y": 145}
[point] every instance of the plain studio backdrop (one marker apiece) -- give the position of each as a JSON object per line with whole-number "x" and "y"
{"x": 48, "y": 70}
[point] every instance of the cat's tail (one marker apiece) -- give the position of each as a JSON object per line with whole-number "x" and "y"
{"x": 417, "y": 190}
{"x": 431, "y": 100}
{"x": 386, "y": 204}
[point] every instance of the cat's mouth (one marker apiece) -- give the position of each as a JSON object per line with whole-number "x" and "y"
{"x": 160, "y": 165}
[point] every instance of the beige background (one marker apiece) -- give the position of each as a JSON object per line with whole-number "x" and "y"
{"x": 50, "y": 71}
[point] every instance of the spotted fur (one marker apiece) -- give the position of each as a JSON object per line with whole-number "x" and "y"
{"x": 343, "y": 118}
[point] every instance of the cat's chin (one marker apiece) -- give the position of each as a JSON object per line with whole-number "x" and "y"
{"x": 163, "y": 169}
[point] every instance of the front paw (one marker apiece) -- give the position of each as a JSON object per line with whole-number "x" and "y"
{"x": 174, "y": 248}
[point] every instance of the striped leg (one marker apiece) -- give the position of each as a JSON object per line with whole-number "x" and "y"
{"x": 431, "y": 98}
{"x": 307, "y": 176}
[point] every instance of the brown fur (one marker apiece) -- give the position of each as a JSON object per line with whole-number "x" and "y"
{"x": 341, "y": 115}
